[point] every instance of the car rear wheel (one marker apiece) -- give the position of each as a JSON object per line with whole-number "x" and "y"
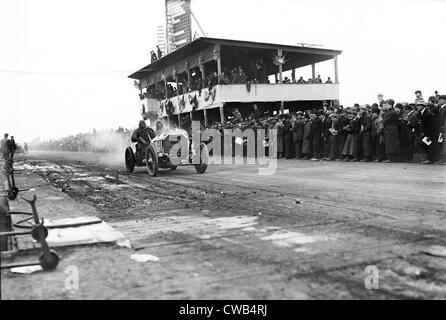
{"x": 129, "y": 160}
{"x": 204, "y": 159}
{"x": 152, "y": 161}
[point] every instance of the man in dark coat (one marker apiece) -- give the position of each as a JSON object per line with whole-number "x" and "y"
{"x": 391, "y": 133}
{"x": 334, "y": 136}
{"x": 378, "y": 135}
{"x": 342, "y": 133}
{"x": 316, "y": 135}
{"x": 13, "y": 146}
{"x": 298, "y": 135}
{"x": 142, "y": 136}
{"x": 350, "y": 151}
{"x": 280, "y": 135}
{"x": 307, "y": 137}
{"x": 257, "y": 113}
{"x": 287, "y": 138}
{"x": 365, "y": 129}
{"x": 442, "y": 129}
{"x": 428, "y": 131}
{"x": 326, "y": 135}
{"x": 407, "y": 135}
{"x": 6, "y": 148}
{"x": 153, "y": 56}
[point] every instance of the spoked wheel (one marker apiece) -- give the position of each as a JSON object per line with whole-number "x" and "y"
{"x": 129, "y": 160}
{"x": 204, "y": 159}
{"x": 152, "y": 161}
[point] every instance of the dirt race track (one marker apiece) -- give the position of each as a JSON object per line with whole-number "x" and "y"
{"x": 307, "y": 232}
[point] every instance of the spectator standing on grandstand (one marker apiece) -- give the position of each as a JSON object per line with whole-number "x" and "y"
{"x": 301, "y": 80}
{"x": 223, "y": 79}
{"x": 241, "y": 75}
{"x": 160, "y": 53}
{"x": 256, "y": 112}
{"x": 329, "y": 80}
{"x": 237, "y": 116}
{"x": 318, "y": 79}
{"x": 186, "y": 123}
{"x": 213, "y": 80}
{"x": 234, "y": 76}
{"x": 153, "y": 56}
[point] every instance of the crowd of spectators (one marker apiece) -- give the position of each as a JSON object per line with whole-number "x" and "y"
{"x": 254, "y": 74}
{"x": 382, "y": 132}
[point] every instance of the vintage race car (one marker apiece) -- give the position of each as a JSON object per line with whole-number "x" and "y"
{"x": 158, "y": 154}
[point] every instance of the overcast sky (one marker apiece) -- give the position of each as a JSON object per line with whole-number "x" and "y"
{"x": 64, "y": 63}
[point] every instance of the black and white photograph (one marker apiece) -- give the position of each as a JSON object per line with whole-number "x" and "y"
{"x": 222, "y": 154}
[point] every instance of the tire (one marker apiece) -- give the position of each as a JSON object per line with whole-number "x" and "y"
{"x": 129, "y": 160}
{"x": 202, "y": 167}
{"x": 173, "y": 168}
{"x": 152, "y": 161}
